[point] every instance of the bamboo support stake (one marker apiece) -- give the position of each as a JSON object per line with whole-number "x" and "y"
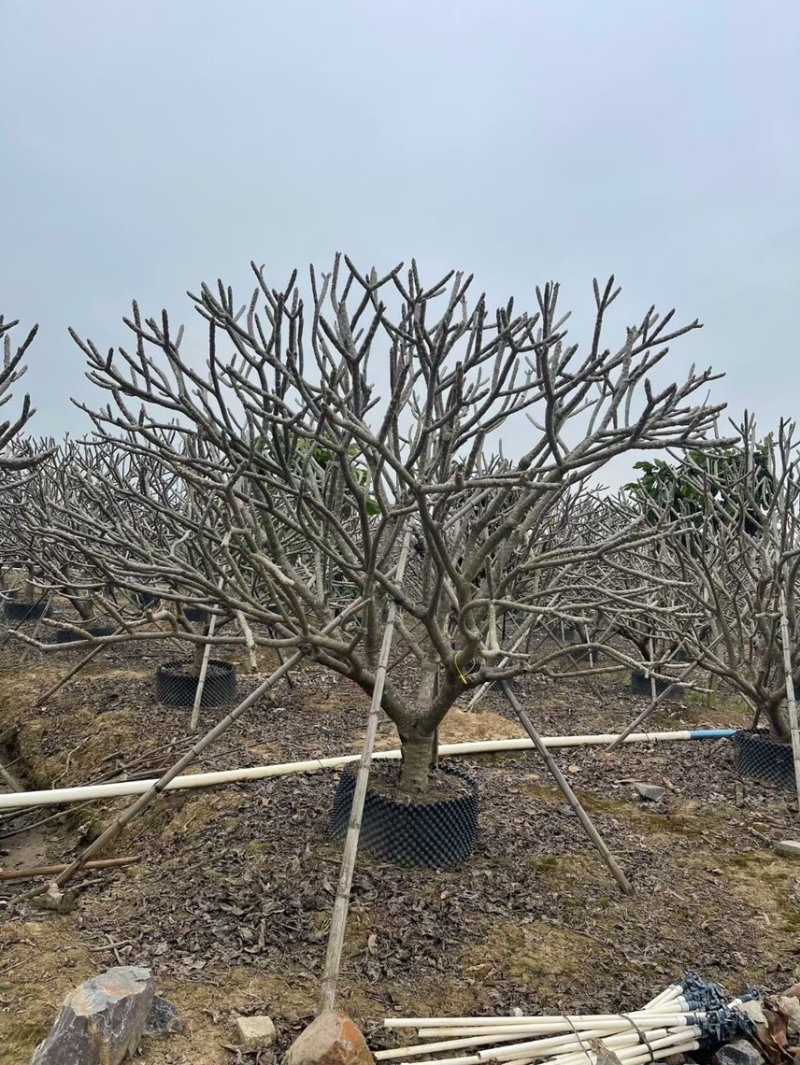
{"x": 48, "y": 870}
{"x": 10, "y": 780}
{"x": 568, "y": 793}
{"x": 333, "y": 956}
{"x": 212, "y": 624}
{"x": 201, "y": 680}
{"x": 787, "y": 667}
{"x": 72, "y": 672}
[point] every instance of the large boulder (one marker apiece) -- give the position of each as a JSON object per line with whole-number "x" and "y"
{"x": 102, "y": 1021}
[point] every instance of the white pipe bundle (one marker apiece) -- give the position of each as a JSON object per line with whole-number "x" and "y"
{"x": 665, "y": 1026}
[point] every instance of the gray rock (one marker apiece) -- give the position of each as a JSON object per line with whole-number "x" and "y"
{"x": 255, "y": 1033}
{"x": 650, "y": 792}
{"x": 738, "y": 1052}
{"x": 162, "y": 1019}
{"x": 102, "y": 1021}
{"x": 789, "y": 848}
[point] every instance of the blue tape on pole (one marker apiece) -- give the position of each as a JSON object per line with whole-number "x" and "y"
{"x": 712, "y": 733}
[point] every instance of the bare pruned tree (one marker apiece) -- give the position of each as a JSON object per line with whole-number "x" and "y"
{"x": 316, "y": 436}
{"x": 12, "y": 369}
{"x": 735, "y": 542}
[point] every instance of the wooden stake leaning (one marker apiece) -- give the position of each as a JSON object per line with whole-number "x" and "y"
{"x": 157, "y": 789}
{"x": 568, "y": 793}
{"x": 212, "y": 624}
{"x": 9, "y": 779}
{"x": 74, "y": 671}
{"x": 333, "y": 956}
{"x": 47, "y": 870}
{"x": 787, "y": 667}
{"x": 201, "y": 680}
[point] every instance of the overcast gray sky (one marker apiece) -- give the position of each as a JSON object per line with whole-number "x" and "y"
{"x": 146, "y": 147}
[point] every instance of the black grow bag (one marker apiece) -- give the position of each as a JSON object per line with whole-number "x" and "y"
{"x": 145, "y": 599}
{"x": 760, "y": 756}
{"x": 640, "y": 685}
{"x": 176, "y": 684}
{"x": 427, "y": 835}
{"x": 17, "y": 610}
{"x": 68, "y": 636}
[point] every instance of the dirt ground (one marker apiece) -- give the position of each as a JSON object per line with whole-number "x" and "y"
{"x": 230, "y": 900}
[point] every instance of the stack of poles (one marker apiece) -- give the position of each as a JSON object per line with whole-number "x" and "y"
{"x": 665, "y": 1026}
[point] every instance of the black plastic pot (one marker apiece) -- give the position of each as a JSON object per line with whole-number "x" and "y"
{"x": 16, "y": 610}
{"x": 68, "y": 636}
{"x": 425, "y": 835}
{"x": 640, "y": 685}
{"x": 497, "y": 686}
{"x": 760, "y": 756}
{"x": 176, "y": 683}
{"x": 145, "y": 599}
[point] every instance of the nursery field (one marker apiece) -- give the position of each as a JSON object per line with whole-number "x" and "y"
{"x": 231, "y": 897}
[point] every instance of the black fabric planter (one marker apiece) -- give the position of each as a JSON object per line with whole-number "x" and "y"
{"x": 176, "y": 684}
{"x": 761, "y": 757}
{"x": 640, "y": 685}
{"x": 426, "y": 835}
{"x": 497, "y": 686}
{"x": 16, "y": 610}
{"x": 145, "y": 599}
{"x": 68, "y": 636}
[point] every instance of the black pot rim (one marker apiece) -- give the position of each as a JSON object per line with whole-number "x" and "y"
{"x": 763, "y": 734}
{"x": 178, "y": 667}
{"x": 406, "y": 804}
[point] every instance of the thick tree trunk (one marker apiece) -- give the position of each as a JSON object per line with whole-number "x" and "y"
{"x": 778, "y": 718}
{"x": 84, "y": 607}
{"x": 416, "y": 764}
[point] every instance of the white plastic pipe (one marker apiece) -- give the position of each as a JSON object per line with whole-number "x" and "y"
{"x": 525, "y": 1025}
{"x": 639, "y": 1054}
{"x": 523, "y": 1050}
{"x": 564, "y": 1022}
{"x": 58, "y": 796}
{"x": 560, "y": 1044}
{"x": 629, "y": 1055}
{"x": 655, "y": 1041}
